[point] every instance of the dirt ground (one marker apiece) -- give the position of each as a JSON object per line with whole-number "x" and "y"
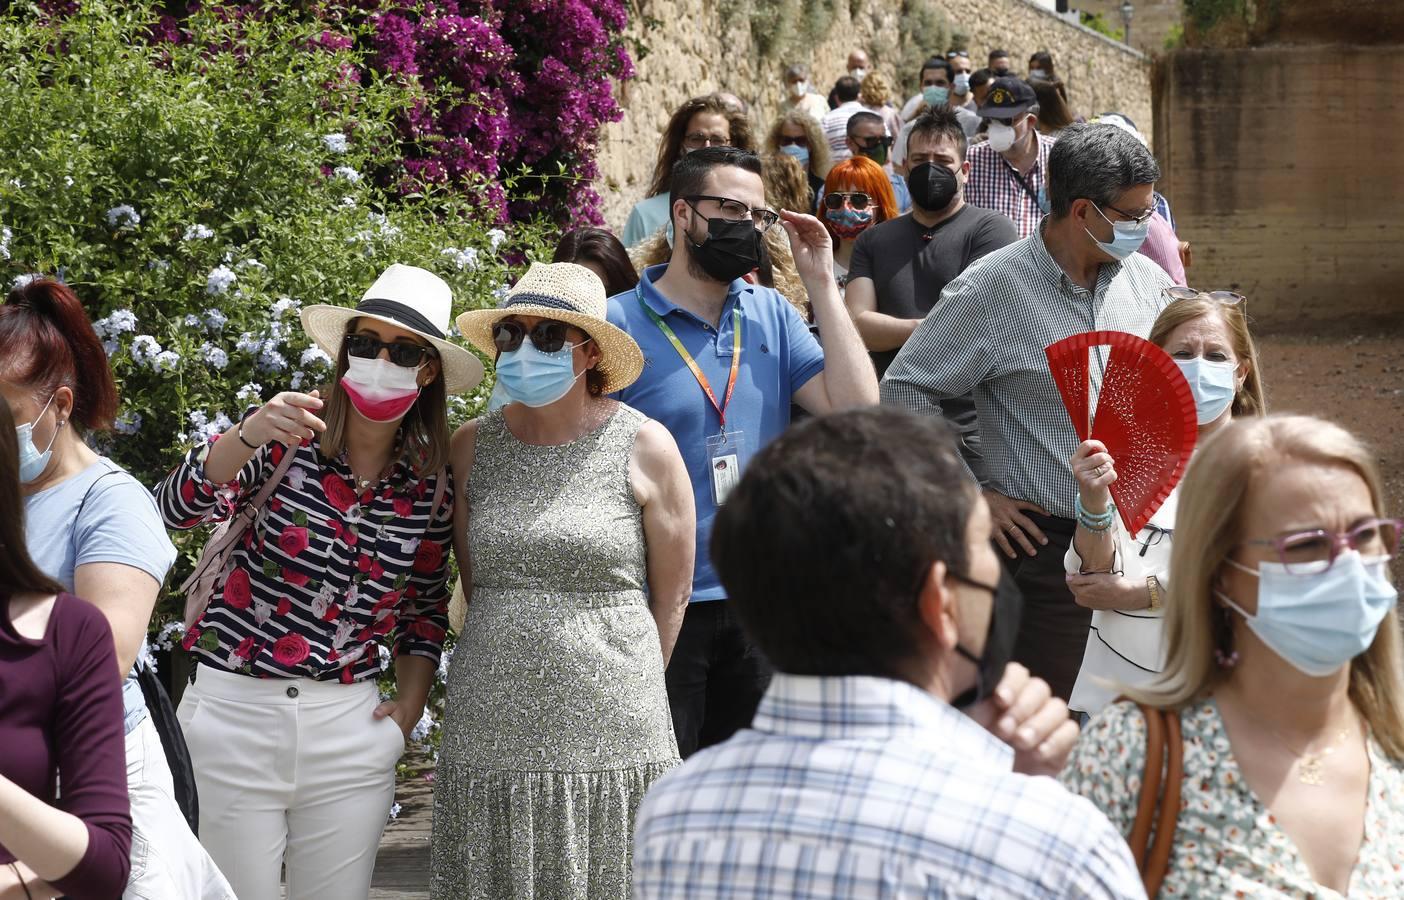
{"x": 1356, "y": 380}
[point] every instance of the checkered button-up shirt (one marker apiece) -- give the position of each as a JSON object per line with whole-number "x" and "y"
{"x": 993, "y": 184}
{"x": 987, "y": 335}
{"x": 869, "y": 788}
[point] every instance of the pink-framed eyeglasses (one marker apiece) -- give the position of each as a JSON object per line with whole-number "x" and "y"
{"x": 1315, "y": 551}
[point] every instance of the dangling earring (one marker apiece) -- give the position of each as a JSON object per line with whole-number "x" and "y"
{"x": 1224, "y": 653}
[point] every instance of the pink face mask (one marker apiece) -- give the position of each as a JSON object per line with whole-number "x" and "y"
{"x": 380, "y": 390}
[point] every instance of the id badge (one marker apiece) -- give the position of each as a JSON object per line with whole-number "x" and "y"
{"x": 724, "y": 462}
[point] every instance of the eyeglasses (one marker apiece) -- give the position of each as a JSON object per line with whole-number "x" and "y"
{"x": 1227, "y": 298}
{"x": 367, "y": 346}
{"x": 548, "y": 335}
{"x": 856, "y": 199}
{"x": 1315, "y": 551}
{"x": 696, "y": 140}
{"x": 1138, "y": 218}
{"x": 1154, "y": 535}
{"x": 736, "y": 211}
{"x": 786, "y": 141}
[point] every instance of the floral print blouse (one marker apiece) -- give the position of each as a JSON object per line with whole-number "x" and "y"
{"x": 325, "y": 577}
{"x": 1227, "y": 843}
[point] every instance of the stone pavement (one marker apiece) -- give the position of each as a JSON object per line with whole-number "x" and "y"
{"x": 402, "y": 866}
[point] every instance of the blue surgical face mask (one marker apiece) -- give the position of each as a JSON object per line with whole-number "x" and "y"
{"x": 1127, "y": 237}
{"x": 962, "y": 83}
{"x": 1214, "y": 385}
{"x": 32, "y": 463}
{"x": 527, "y": 375}
{"x": 1320, "y": 622}
{"x": 935, "y": 96}
{"x": 798, "y": 152}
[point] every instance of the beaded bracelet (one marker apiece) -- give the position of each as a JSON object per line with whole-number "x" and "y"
{"x": 1098, "y": 522}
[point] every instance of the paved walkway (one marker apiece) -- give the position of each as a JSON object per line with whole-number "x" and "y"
{"x": 402, "y": 867}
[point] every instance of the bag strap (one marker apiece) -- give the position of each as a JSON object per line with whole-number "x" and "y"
{"x": 241, "y": 520}
{"x": 1164, "y": 765}
{"x": 440, "y": 488}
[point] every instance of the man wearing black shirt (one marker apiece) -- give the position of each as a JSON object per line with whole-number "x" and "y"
{"x": 900, "y": 267}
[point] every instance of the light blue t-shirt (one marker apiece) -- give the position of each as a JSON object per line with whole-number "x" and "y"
{"x": 778, "y": 356}
{"x": 647, "y": 216}
{"x": 100, "y": 515}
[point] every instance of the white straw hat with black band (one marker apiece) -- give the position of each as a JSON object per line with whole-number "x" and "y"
{"x": 408, "y": 297}
{"x": 570, "y": 293}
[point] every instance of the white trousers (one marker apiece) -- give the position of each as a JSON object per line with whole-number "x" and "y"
{"x": 292, "y": 773}
{"x": 168, "y": 863}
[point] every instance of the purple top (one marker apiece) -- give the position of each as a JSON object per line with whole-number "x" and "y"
{"x": 61, "y": 715}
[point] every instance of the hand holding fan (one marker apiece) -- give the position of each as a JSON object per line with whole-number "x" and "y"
{"x": 1144, "y": 414}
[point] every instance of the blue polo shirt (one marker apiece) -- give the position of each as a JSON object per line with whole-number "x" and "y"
{"x": 778, "y": 356}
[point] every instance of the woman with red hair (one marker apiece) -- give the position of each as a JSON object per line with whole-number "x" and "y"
{"x": 857, "y": 196}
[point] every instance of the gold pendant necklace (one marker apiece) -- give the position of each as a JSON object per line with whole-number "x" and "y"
{"x": 1310, "y": 765}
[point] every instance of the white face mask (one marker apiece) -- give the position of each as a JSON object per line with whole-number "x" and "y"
{"x": 798, "y": 89}
{"x": 858, "y": 73}
{"x": 380, "y": 390}
{"x": 1320, "y": 622}
{"x": 1212, "y": 383}
{"x": 32, "y": 463}
{"x": 1002, "y": 136}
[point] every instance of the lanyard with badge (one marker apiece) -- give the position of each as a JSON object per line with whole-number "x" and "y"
{"x": 724, "y": 448}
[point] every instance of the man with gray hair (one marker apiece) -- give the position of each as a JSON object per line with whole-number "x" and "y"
{"x": 1079, "y": 271}
{"x": 799, "y": 94}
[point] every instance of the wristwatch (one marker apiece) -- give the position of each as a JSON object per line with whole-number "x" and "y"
{"x": 1153, "y": 586}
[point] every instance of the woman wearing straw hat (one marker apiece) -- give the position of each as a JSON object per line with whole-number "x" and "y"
{"x": 294, "y": 753}
{"x": 575, "y": 541}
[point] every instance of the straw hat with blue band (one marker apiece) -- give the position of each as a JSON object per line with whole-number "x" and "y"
{"x": 410, "y": 298}
{"x": 570, "y": 293}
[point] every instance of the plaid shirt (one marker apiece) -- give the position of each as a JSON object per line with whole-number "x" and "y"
{"x": 987, "y": 336}
{"x": 871, "y": 788}
{"x": 993, "y": 184}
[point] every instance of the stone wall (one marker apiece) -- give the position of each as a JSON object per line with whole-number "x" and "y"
{"x": 1284, "y": 174}
{"x": 692, "y": 51}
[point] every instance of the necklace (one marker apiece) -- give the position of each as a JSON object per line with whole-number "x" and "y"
{"x": 1309, "y": 765}
{"x": 363, "y": 484}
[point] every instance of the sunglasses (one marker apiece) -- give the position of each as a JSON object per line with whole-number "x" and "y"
{"x": 548, "y": 335}
{"x": 366, "y": 346}
{"x": 856, "y": 199}
{"x": 957, "y": 54}
{"x": 1227, "y": 298}
{"x": 872, "y": 143}
{"x": 786, "y": 141}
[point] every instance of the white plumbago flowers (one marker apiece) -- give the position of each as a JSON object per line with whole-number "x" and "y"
{"x": 467, "y": 258}
{"x": 346, "y": 173}
{"x": 215, "y": 320}
{"x": 214, "y": 356}
{"x": 128, "y": 423}
{"x": 444, "y": 659}
{"x": 314, "y": 356}
{"x": 295, "y": 382}
{"x": 270, "y": 360}
{"x": 495, "y": 238}
{"x": 251, "y": 264}
{"x": 421, "y": 729}
{"x": 115, "y": 323}
{"x": 395, "y": 810}
{"x": 165, "y": 361}
{"x": 198, "y": 232}
{"x": 247, "y": 343}
{"x": 24, "y": 280}
{"x": 348, "y": 202}
{"x": 144, "y": 349}
{"x": 250, "y": 394}
{"x": 169, "y": 634}
{"x": 145, "y": 656}
{"x": 385, "y": 656}
{"x": 123, "y": 217}
{"x": 219, "y": 280}
{"x": 335, "y": 142}
{"x": 5, "y": 236}
{"x": 205, "y": 428}
{"x": 283, "y": 305}
{"x": 192, "y": 320}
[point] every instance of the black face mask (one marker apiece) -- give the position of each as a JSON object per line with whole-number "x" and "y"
{"x": 1005, "y": 614}
{"x": 730, "y": 249}
{"x": 933, "y": 186}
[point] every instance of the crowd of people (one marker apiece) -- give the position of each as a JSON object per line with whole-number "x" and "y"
{"x": 904, "y": 647}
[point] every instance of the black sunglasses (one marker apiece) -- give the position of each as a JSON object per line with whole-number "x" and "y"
{"x": 856, "y": 199}
{"x": 367, "y": 346}
{"x": 548, "y": 335}
{"x": 786, "y": 141}
{"x": 873, "y": 143}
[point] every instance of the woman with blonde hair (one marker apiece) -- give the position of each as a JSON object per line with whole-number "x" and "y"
{"x": 876, "y": 95}
{"x": 1125, "y": 578}
{"x": 796, "y": 133}
{"x": 1284, "y": 668}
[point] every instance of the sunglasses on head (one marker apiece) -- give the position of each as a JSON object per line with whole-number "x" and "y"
{"x": 548, "y": 335}
{"x": 1226, "y": 298}
{"x": 368, "y": 346}
{"x": 856, "y": 199}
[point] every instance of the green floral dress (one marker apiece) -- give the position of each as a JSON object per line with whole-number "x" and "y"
{"x": 1227, "y": 843}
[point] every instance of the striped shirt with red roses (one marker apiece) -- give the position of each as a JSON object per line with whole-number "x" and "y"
{"x": 324, "y": 577}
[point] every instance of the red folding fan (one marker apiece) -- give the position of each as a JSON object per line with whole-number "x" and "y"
{"x": 1144, "y": 414}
